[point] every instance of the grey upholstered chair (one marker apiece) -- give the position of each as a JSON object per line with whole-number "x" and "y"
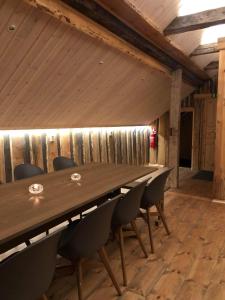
{"x": 23, "y": 171}
{"x": 126, "y": 212}
{"x": 62, "y": 162}
{"x": 26, "y": 275}
{"x": 154, "y": 196}
{"x": 84, "y": 237}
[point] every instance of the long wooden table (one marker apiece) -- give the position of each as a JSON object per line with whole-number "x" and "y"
{"x": 22, "y": 215}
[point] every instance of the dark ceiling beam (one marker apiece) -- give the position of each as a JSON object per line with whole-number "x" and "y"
{"x": 196, "y": 21}
{"x": 205, "y": 49}
{"x": 151, "y": 41}
{"x": 213, "y": 65}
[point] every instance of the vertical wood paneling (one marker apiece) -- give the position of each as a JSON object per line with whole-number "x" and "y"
{"x": 37, "y": 154}
{"x": 95, "y": 146}
{"x": 17, "y": 151}
{"x": 106, "y": 146}
{"x": 124, "y": 147}
{"x": 64, "y": 138}
{"x": 86, "y": 147}
{"x": 52, "y": 151}
{"x": 27, "y": 149}
{"x": 103, "y": 147}
{"x": 118, "y": 153}
{"x": 111, "y": 146}
{"x": 134, "y": 152}
{"x": 163, "y": 139}
{"x": 2, "y": 161}
{"x": 129, "y": 147}
{"x": 44, "y": 152}
{"x": 8, "y": 162}
{"x": 78, "y": 147}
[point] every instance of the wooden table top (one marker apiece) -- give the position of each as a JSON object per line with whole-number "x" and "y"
{"x": 21, "y": 213}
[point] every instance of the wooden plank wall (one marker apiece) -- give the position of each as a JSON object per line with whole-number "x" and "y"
{"x": 85, "y": 146}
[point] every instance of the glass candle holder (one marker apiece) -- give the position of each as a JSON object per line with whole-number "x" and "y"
{"x": 36, "y": 188}
{"x": 75, "y": 177}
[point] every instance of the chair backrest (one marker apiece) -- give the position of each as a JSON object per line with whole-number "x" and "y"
{"x": 27, "y": 275}
{"x": 154, "y": 190}
{"x": 90, "y": 234}
{"x": 26, "y": 170}
{"x": 62, "y": 162}
{"x": 127, "y": 207}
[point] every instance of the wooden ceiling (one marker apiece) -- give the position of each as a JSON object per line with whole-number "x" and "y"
{"x": 53, "y": 76}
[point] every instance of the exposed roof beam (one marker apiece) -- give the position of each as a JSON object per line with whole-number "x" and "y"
{"x": 205, "y": 49}
{"x": 127, "y": 14}
{"x": 196, "y": 21}
{"x": 213, "y": 65}
{"x": 173, "y": 59}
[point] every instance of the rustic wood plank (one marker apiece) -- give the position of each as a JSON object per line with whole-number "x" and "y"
{"x": 205, "y": 49}
{"x": 65, "y": 147}
{"x": 78, "y": 147}
{"x": 219, "y": 171}
{"x": 86, "y": 147}
{"x": 37, "y": 153}
{"x": 103, "y": 147}
{"x": 17, "y": 150}
{"x": 8, "y": 160}
{"x": 124, "y": 147}
{"x": 95, "y": 146}
{"x": 163, "y": 139}
{"x": 196, "y": 21}
{"x": 111, "y": 146}
{"x": 52, "y": 151}
{"x": 174, "y": 139}
{"x": 44, "y": 151}
{"x": 2, "y": 161}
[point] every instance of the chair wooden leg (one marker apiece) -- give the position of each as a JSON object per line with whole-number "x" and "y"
{"x": 134, "y": 226}
{"x": 79, "y": 279}
{"x": 162, "y": 216}
{"x": 150, "y": 230}
{"x": 121, "y": 244}
{"x": 104, "y": 257}
{"x": 28, "y": 243}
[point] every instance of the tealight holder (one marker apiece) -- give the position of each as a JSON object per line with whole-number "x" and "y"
{"x": 75, "y": 177}
{"x": 36, "y": 188}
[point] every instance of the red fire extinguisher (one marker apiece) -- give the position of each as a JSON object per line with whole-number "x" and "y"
{"x": 153, "y": 138}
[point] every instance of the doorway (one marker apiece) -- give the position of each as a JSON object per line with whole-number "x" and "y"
{"x": 186, "y": 130}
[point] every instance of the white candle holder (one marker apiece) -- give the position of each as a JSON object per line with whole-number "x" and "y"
{"x": 75, "y": 177}
{"x": 36, "y": 188}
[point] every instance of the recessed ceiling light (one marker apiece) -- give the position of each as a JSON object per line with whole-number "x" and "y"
{"x": 12, "y": 27}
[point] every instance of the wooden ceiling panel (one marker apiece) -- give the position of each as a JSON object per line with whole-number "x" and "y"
{"x": 52, "y": 76}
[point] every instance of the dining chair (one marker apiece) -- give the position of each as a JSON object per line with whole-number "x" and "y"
{"x": 125, "y": 213}
{"x": 154, "y": 196}
{"x": 86, "y": 236}
{"x": 62, "y": 162}
{"x": 23, "y": 171}
{"x": 26, "y": 275}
